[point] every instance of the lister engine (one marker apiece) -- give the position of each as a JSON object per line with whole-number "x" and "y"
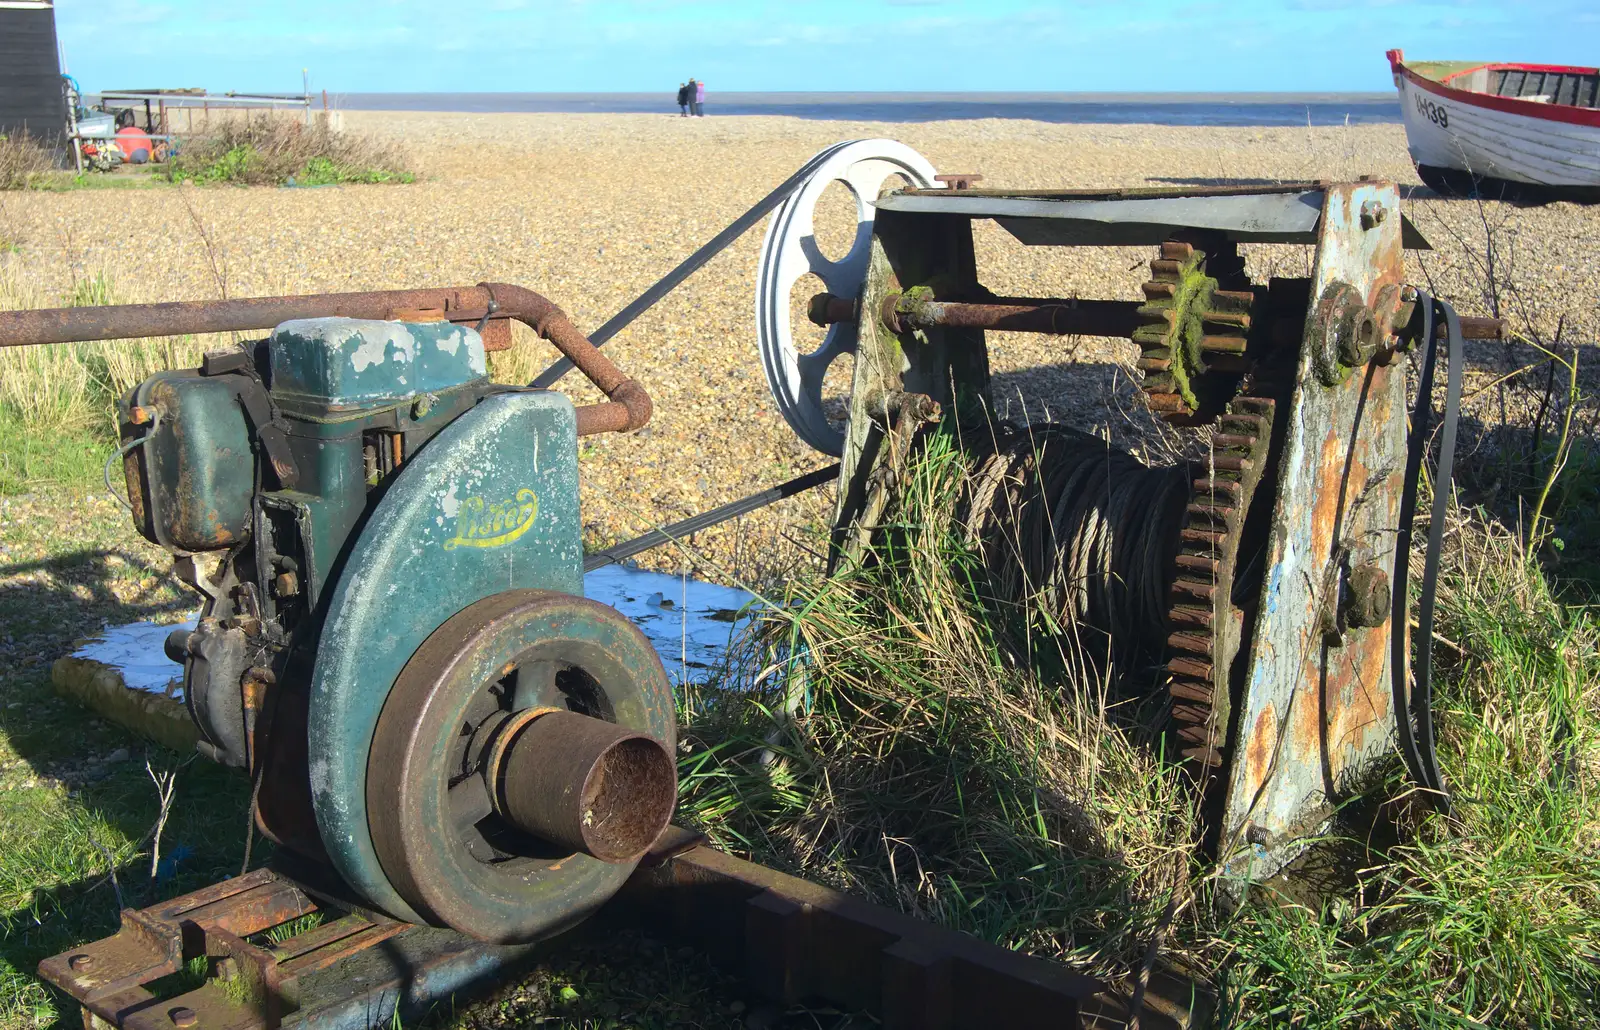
{"x": 393, "y": 639}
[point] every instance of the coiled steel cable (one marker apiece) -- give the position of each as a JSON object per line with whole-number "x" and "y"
{"x": 1078, "y": 531}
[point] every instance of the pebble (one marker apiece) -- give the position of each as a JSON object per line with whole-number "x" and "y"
{"x": 119, "y": 755}
{"x": 592, "y": 209}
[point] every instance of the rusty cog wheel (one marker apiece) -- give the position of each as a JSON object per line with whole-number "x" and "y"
{"x": 1194, "y": 330}
{"x": 1206, "y": 626}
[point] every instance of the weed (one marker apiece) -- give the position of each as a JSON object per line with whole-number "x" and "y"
{"x": 295, "y": 927}
{"x": 267, "y": 150}
{"x": 23, "y": 162}
{"x": 897, "y": 749}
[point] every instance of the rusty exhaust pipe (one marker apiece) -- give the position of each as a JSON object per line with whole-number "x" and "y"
{"x": 582, "y": 783}
{"x": 627, "y": 407}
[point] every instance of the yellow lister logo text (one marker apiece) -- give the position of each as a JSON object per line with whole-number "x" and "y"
{"x": 494, "y": 523}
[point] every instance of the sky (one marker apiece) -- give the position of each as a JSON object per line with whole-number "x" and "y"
{"x": 849, "y": 45}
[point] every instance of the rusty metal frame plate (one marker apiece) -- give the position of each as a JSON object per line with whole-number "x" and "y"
{"x": 349, "y": 973}
{"x": 1314, "y": 715}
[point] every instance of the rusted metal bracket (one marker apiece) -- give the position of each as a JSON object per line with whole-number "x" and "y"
{"x": 254, "y": 986}
{"x": 792, "y": 941}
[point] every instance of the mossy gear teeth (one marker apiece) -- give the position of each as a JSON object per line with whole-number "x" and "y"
{"x": 1194, "y": 326}
{"x": 1204, "y": 623}
{"x": 1204, "y": 633}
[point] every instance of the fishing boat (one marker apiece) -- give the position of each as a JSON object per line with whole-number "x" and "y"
{"x": 1525, "y": 128}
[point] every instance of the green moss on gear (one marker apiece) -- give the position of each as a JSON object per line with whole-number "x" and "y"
{"x": 1191, "y": 297}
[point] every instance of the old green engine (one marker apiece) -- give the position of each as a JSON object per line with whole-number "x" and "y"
{"x": 393, "y": 639}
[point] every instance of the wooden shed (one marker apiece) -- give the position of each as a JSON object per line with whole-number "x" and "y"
{"x": 30, "y": 70}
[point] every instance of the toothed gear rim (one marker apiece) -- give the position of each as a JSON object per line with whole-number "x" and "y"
{"x": 1206, "y": 630}
{"x": 1203, "y": 639}
{"x": 1194, "y": 328}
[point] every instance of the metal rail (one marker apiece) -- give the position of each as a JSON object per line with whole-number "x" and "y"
{"x": 792, "y": 941}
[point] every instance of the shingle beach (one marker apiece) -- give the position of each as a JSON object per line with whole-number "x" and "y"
{"x": 591, "y": 209}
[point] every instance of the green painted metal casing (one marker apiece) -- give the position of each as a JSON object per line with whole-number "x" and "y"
{"x": 490, "y": 504}
{"x": 422, "y": 488}
{"x": 191, "y": 481}
{"x": 332, "y": 368}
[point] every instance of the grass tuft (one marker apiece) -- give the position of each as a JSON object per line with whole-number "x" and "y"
{"x": 893, "y": 746}
{"x": 890, "y": 744}
{"x": 264, "y": 150}
{"x": 57, "y": 402}
{"x": 1489, "y": 916}
{"x": 23, "y": 162}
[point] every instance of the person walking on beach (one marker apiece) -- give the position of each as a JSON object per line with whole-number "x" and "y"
{"x": 699, "y": 99}
{"x": 683, "y": 100}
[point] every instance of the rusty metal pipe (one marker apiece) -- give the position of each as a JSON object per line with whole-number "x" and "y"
{"x": 1058, "y": 317}
{"x": 1288, "y": 331}
{"x": 585, "y": 784}
{"x": 551, "y": 323}
{"x": 126, "y": 321}
{"x": 628, "y": 407}
{"x": 1023, "y": 315}
{"x": 1010, "y": 314}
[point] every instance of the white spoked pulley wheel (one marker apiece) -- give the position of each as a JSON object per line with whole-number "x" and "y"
{"x": 790, "y": 251}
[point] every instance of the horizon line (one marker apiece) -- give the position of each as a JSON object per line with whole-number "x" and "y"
{"x": 1280, "y": 95}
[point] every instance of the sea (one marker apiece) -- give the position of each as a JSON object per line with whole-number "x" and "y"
{"x": 1242, "y": 109}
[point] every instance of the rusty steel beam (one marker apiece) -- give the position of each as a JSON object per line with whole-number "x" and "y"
{"x": 627, "y": 407}
{"x": 794, "y": 940}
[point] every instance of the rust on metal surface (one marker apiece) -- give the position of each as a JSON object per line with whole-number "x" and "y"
{"x": 1057, "y": 317}
{"x": 959, "y": 180}
{"x": 108, "y": 977}
{"x": 1022, "y": 315}
{"x": 585, "y": 784}
{"x": 1287, "y": 331}
{"x": 253, "y": 988}
{"x": 794, "y": 940}
{"x": 1315, "y": 706}
{"x": 626, "y": 409}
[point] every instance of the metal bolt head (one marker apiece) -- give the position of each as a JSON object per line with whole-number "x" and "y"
{"x": 1373, "y": 214}
{"x": 139, "y": 415}
{"x": 1358, "y": 338}
{"x": 183, "y": 1017}
{"x": 421, "y": 406}
{"x": 80, "y": 963}
{"x": 285, "y": 584}
{"x": 1368, "y": 596}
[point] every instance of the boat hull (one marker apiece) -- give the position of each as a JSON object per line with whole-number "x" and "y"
{"x": 1452, "y": 129}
